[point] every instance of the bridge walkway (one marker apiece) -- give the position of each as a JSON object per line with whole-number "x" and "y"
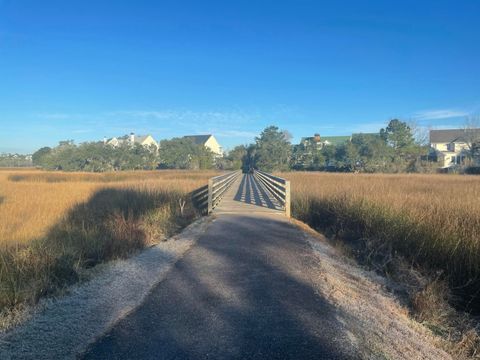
{"x": 248, "y": 195}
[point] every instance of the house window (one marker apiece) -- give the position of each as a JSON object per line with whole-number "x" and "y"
{"x": 453, "y": 160}
{"x": 451, "y": 147}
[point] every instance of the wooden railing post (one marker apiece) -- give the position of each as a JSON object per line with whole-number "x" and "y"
{"x": 210, "y": 196}
{"x": 287, "y": 198}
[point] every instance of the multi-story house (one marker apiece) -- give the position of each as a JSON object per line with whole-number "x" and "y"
{"x": 454, "y": 146}
{"x": 208, "y": 141}
{"x": 144, "y": 140}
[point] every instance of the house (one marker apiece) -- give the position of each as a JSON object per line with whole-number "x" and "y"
{"x": 451, "y": 147}
{"x": 208, "y": 141}
{"x": 317, "y": 142}
{"x": 144, "y": 140}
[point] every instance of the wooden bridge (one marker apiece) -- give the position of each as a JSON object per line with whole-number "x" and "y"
{"x": 237, "y": 193}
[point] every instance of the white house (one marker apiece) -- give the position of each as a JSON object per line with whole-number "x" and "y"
{"x": 208, "y": 141}
{"x": 144, "y": 140}
{"x": 452, "y": 146}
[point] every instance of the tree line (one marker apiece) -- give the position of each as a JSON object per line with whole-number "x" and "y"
{"x": 177, "y": 153}
{"x": 393, "y": 149}
{"x": 15, "y": 160}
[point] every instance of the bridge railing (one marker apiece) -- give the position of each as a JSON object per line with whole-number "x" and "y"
{"x": 278, "y": 187}
{"x": 207, "y": 197}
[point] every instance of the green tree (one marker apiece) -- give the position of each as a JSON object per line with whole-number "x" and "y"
{"x": 347, "y": 156}
{"x": 406, "y": 152}
{"x": 182, "y": 153}
{"x": 39, "y": 157}
{"x": 374, "y": 152}
{"x": 398, "y": 134}
{"x": 236, "y": 157}
{"x": 272, "y": 150}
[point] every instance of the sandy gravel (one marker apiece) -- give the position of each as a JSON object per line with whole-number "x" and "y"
{"x": 62, "y": 328}
{"x": 380, "y": 324}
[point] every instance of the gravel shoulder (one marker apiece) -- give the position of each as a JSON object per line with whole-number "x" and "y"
{"x": 382, "y": 326}
{"x": 61, "y": 328}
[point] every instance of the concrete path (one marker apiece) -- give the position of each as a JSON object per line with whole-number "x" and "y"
{"x": 245, "y": 290}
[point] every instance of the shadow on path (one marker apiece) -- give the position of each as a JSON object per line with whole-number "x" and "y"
{"x": 244, "y": 291}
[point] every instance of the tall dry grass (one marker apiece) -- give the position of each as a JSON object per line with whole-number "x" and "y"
{"x": 431, "y": 220}
{"x": 54, "y": 224}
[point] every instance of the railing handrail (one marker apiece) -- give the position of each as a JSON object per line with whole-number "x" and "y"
{"x": 217, "y": 186}
{"x": 278, "y": 187}
{"x": 273, "y": 177}
{"x": 207, "y": 197}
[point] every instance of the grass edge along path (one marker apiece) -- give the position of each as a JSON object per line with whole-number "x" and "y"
{"x": 113, "y": 223}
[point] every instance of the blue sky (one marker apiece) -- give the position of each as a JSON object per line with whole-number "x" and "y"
{"x": 86, "y": 69}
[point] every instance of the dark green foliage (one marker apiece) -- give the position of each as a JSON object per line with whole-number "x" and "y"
{"x": 272, "y": 150}
{"x": 183, "y": 153}
{"x": 237, "y": 156}
{"x": 95, "y": 157}
{"x": 39, "y": 156}
{"x": 393, "y": 149}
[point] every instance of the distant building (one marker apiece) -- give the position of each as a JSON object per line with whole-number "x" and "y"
{"x": 208, "y": 141}
{"x": 318, "y": 142}
{"x": 144, "y": 140}
{"x": 451, "y": 147}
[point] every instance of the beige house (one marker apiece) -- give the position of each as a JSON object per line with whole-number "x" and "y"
{"x": 144, "y": 140}
{"x": 452, "y": 146}
{"x": 208, "y": 141}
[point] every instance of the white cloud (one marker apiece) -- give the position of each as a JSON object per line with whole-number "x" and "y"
{"x": 439, "y": 114}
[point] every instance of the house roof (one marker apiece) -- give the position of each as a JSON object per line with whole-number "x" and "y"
{"x": 126, "y": 138}
{"x": 367, "y": 134}
{"x": 451, "y": 135}
{"x": 198, "y": 139}
{"x": 334, "y": 140}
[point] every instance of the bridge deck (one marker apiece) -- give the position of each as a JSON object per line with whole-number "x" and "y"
{"x": 248, "y": 195}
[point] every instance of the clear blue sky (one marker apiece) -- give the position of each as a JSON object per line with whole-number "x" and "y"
{"x": 87, "y": 69}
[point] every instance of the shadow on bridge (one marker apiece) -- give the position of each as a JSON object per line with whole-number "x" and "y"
{"x": 253, "y": 192}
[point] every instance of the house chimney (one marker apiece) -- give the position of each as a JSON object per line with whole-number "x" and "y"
{"x": 316, "y": 138}
{"x": 132, "y": 137}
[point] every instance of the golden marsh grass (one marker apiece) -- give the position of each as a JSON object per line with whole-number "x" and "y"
{"x": 53, "y": 224}
{"x": 431, "y": 220}
{"x": 32, "y": 201}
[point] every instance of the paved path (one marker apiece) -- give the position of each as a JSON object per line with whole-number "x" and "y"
{"x": 245, "y": 290}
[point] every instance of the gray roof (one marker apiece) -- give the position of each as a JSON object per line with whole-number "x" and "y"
{"x": 198, "y": 139}
{"x": 452, "y": 135}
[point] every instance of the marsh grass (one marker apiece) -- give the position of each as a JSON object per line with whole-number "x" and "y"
{"x": 431, "y": 220}
{"x": 422, "y": 231}
{"x": 61, "y": 227}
